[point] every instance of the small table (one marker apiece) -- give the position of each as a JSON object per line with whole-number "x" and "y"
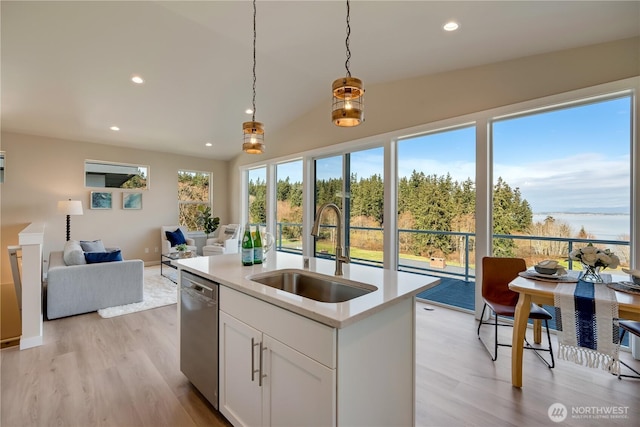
{"x": 542, "y": 293}
{"x": 165, "y": 259}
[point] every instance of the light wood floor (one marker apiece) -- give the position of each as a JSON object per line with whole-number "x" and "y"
{"x": 123, "y": 372}
{"x": 458, "y": 384}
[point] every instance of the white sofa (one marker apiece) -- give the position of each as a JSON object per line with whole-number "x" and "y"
{"x": 225, "y": 241}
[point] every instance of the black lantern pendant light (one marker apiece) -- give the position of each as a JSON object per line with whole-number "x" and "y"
{"x": 253, "y": 132}
{"x": 348, "y": 93}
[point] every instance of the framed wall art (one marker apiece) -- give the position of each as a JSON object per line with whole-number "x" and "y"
{"x": 100, "y": 200}
{"x": 131, "y": 200}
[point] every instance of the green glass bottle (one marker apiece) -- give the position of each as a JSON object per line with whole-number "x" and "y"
{"x": 257, "y": 247}
{"x": 247, "y": 246}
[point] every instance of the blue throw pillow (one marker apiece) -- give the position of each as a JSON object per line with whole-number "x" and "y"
{"x": 175, "y": 237}
{"x": 96, "y": 257}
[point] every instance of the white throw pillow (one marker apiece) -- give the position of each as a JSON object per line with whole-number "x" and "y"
{"x": 73, "y": 253}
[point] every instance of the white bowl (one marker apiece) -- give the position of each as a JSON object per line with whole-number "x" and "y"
{"x": 543, "y": 270}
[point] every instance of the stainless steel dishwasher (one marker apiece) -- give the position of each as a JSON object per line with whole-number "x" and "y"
{"x": 199, "y": 334}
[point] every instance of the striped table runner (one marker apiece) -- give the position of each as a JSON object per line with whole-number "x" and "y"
{"x": 587, "y": 322}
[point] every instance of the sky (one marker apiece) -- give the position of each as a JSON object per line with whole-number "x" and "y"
{"x": 574, "y": 159}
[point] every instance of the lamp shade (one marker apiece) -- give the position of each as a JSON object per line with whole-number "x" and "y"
{"x": 253, "y": 136}
{"x": 348, "y": 102}
{"x": 70, "y": 207}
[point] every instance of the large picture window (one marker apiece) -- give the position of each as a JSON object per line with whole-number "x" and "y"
{"x": 436, "y": 201}
{"x": 194, "y": 194}
{"x": 563, "y": 173}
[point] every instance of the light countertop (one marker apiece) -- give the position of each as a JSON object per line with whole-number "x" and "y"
{"x": 393, "y": 286}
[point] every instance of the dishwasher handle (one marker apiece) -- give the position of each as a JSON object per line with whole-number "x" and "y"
{"x": 197, "y": 286}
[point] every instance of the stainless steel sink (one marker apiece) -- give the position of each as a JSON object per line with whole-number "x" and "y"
{"x": 315, "y": 286}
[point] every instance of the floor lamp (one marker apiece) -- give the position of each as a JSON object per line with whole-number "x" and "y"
{"x": 68, "y": 208}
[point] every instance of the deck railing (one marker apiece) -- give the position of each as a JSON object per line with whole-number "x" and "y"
{"x": 465, "y": 269}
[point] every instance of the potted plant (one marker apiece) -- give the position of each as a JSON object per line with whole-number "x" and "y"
{"x": 208, "y": 223}
{"x": 183, "y": 250}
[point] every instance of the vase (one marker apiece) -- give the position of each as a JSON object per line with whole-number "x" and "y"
{"x": 591, "y": 274}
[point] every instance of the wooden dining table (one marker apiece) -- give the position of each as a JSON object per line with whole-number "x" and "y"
{"x": 541, "y": 293}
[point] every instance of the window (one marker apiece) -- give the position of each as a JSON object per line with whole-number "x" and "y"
{"x": 288, "y": 233}
{"x": 365, "y": 207}
{"x": 563, "y": 172}
{"x": 115, "y": 175}
{"x": 328, "y": 189}
{"x": 436, "y": 200}
{"x": 361, "y": 199}
{"x": 257, "y": 191}
{"x": 194, "y": 194}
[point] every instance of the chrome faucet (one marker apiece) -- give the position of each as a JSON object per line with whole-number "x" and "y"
{"x": 340, "y": 258}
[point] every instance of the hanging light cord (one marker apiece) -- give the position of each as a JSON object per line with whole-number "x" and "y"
{"x": 346, "y": 42}
{"x": 253, "y": 117}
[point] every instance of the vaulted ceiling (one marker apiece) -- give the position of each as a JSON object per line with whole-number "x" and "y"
{"x": 66, "y": 66}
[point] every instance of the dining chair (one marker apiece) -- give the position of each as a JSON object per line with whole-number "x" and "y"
{"x": 497, "y": 273}
{"x": 632, "y": 328}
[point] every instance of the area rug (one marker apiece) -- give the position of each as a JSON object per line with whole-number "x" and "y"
{"x": 158, "y": 291}
{"x": 457, "y": 293}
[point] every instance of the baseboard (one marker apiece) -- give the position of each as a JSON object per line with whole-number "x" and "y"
{"x": 30, "y": 342}
{"x": 151, "y": 263}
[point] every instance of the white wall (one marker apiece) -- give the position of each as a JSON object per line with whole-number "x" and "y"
{"x": 41, "y": 171}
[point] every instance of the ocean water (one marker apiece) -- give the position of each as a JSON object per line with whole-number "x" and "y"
{"x": 603, "y": 226}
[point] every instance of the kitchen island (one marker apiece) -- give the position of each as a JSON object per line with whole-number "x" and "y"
{"x": 291, "y": 360}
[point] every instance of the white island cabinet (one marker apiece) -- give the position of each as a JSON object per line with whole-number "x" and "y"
{"x": 289, "y": 360}
{"x": 266, "y": 380}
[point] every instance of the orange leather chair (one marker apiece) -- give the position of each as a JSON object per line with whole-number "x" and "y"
{"x": 496, "y": 275}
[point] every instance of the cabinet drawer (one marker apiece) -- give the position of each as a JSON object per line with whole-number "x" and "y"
{"x": 307, "y": 336}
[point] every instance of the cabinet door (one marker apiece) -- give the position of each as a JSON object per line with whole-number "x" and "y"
{"x": 240, "y": 396}
{"x": 298, "y": 391}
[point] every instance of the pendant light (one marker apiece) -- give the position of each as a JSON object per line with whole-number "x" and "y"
{"x": 348, "y": 93}
{"x": 253, "y": 132}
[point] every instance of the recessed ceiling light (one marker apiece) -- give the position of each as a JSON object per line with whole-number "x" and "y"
{"x": 248, "y": 111}
{"x": 451, "y": 26}
{"x": 137, "y": 79}
{"x": 208, "y": 144}
{"x": 116, "y": 128}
